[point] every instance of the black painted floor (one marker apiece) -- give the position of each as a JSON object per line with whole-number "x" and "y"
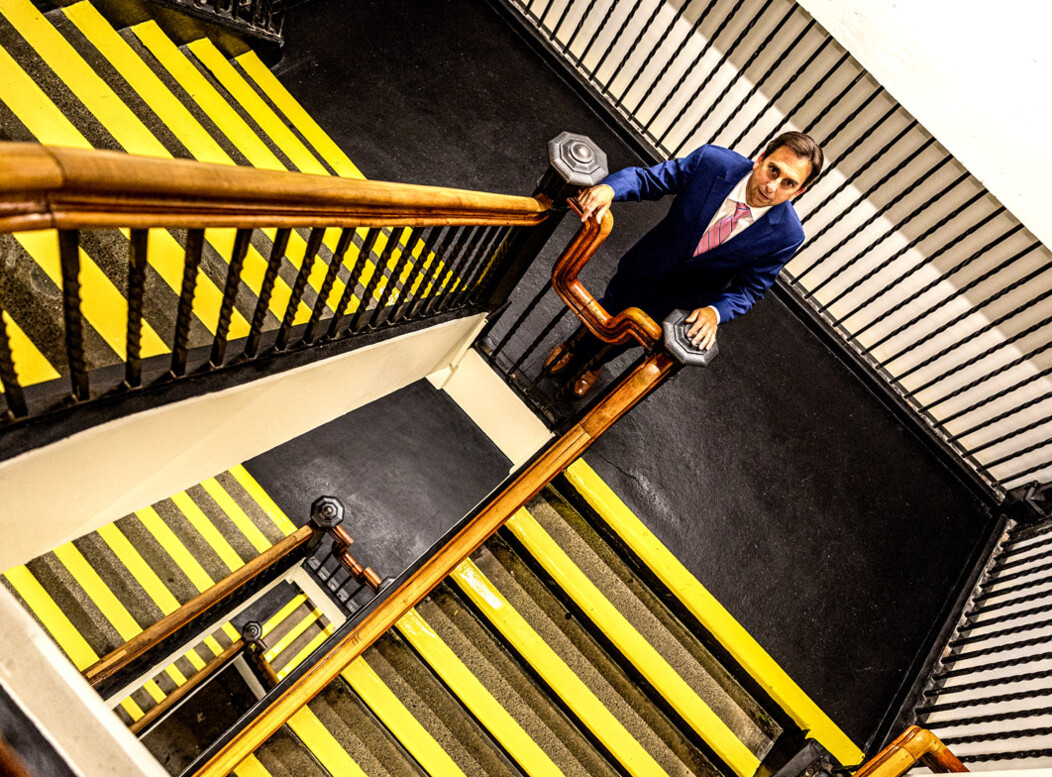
{"x": 783, "y": 485}
{"x": 406, "y": 468}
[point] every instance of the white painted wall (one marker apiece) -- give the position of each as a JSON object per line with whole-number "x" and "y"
{"x": 60, "y": 492}
{"x": 976, "y": 74}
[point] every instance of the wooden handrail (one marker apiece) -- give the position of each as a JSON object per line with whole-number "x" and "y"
{"x": 46, "y": 187}
{"x": 117, "y": 659}
{"x": 524, "y": 487}
{"x": 183, "y": 690}
{"x": 913, "y": 745}
{"x": 630, "y": 322}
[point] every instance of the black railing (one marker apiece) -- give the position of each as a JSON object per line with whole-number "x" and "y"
{"x": 256, "y": 18}
{"x": 937, "y": 296}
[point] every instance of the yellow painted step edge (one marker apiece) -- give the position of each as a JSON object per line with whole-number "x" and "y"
{"x": 486, "y": 709}
{"x": 665, "y": 680}
{"x": 394, "y": 715}
{"x": 320, "y": 741}
{"x": 711, "y": 614}
{"x": 605, "y": 727}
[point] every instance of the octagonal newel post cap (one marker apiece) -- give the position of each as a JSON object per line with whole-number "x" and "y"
{"x": 326, "y": 512}
{"x": 577, "y": 159}
{"x": 252, "y": 631}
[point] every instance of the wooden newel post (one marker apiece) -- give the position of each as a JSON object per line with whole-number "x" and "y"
{"x": 326, "y": 514}
{"x": 252, "y": 635}
{"x": 574, "y": 162}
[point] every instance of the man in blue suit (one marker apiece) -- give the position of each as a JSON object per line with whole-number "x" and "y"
{"x": 729, "y": 231}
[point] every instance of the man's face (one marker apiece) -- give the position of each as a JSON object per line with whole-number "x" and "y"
{"x": 776, "y": 178}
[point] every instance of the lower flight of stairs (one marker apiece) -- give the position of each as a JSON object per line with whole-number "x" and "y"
{"x": 97, "y": 592}
{"x": 543, "y": 654}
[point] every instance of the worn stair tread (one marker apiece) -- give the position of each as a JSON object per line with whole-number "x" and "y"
{"x": 442, "y": 716}
{"x": 683, "y": 651}
{"x": 634, "y": 646}
{"x": 603, "y": 676}
{"x": 511, "y": 685}
{"x": 284, "y": 755}
{"x": 358, "y": 731}
{"x": 423, "y": 748}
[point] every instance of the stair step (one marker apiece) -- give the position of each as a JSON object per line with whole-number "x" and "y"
{"x": 583, "y": 675}
{"x": 497, "y": 689}
{"x": 443, "y": 717}
{"x": 283, "y": 755}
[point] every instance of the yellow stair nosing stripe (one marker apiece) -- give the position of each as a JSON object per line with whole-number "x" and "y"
{"x": 174, "y": 547}
{"x": 397, "y": 719}
{"x": 323, "y": 745}
{"x": 578, "y": 697}
{"x": 262, "y": 499}
{"x": 139, "y": 568}
{"x": 152, "y": 688}
{"x": 684, "y": 699}
{"x": 270, "y": 85}
{"x": 293, "y": 634}
{"x": 485, "y": 708}
{"x": 208, "y": 530}
{"x": 286, "y": 610}
{"x": 251, "y": 767}
{"x": 711, "y": 614}
{"x": 236, "y": 514}
{"x": 92, "y": 584}
{"x": 51, "y": 616}
{"x": 30, "y": 365}
{"x": 309, "y": 648}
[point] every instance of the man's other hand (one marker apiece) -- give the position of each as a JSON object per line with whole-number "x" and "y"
{"x": 703, "y": 334}
{"x": 595, "y": 199}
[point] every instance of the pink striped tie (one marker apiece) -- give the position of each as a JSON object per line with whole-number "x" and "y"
{"x": 721, "y": 230}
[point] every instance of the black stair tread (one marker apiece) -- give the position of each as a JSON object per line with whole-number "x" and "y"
{"x": 458, "y": 733}
{"x": 511, "y": 685}
{"x": 283, "y": 755}
{"x": 364, "y": 738}
{"x": 546, "y": 614}
{"x": 648, "y": 614}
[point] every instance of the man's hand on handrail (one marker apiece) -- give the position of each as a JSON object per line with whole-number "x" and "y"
{"x": 595, "y": 200}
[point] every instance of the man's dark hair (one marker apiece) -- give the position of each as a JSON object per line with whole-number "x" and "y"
{"x": 803, "y": 146}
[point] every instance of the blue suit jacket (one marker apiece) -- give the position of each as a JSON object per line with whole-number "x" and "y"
{"x": 660, "y": 272}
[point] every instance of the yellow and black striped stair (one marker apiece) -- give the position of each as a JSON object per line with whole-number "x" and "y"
{"x": 97, "y": 592}
{"x": 68, "y": 78}
{"x": 543, "y": 654}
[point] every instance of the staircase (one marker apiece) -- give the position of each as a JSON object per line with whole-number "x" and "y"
{"x": 67, "y": 78}
{"x": 544, "y": 653}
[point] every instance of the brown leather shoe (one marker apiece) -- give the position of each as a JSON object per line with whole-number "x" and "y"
{"x": 559, "y": 359}
{"x": 585, "y": 382}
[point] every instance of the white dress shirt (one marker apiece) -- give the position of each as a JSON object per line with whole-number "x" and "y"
{"x": 727, "y": 208}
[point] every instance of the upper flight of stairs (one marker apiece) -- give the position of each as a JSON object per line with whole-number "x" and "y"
{"x": 68, "y": 78}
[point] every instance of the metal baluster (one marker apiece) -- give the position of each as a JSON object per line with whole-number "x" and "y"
{"x": 538, "y": 340}
{"x": 631, "y": 50}
{"x": 759, "y": 82}
{"x": 577, "y": 28}
{"x": 298, "y": 287}
{"x": 498, "y": 256}
{"x": 669, "y": 60}
{"x": 887, "y": 233}
{"x": 848, "y": 180}
{"x": 352, "y": 283}
{"x": 990, "y": 376}
{"x": 956, "y": 293}
{"x": 1007, "y": 436}
{"x": 448, "y": 278}
{"x": 745, "y": 68}
{"x": 430, "y": 284}
{"x": 137, "y": 247}
{"x": 266, "y": 291}
{"x": 924, "y": 262}
{"x": 485, "y": 255}
{"x": 359, "y": 321}
{"x": 884, "y": 209}
{"x": 847, "y": 120}
{"x": 396, "y": 274}
{"x": 799, "y": 103}
{"x": 1019, "y": 475}
{"x": 1001, "y": 416}
{"x": 13, "y": 394}
{"x": 467, "y": 264}
{"x": 414, "y": 284}
{"x": 558, "y": 24}
{"x": 195, "y": 239}
{"x": 326, "y": 285}
{"x": 233, "y": 282}
{"x": 69, "y": 257}
{"x": 712, "y": 72}
{"x": 931, "y": 285}
{"x": 522, "y": 317}
{"x": 599, "y": 31}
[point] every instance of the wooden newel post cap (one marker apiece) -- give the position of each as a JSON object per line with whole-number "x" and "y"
{"x": 577, "y": 159}
{"x": 326, "y": 513}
